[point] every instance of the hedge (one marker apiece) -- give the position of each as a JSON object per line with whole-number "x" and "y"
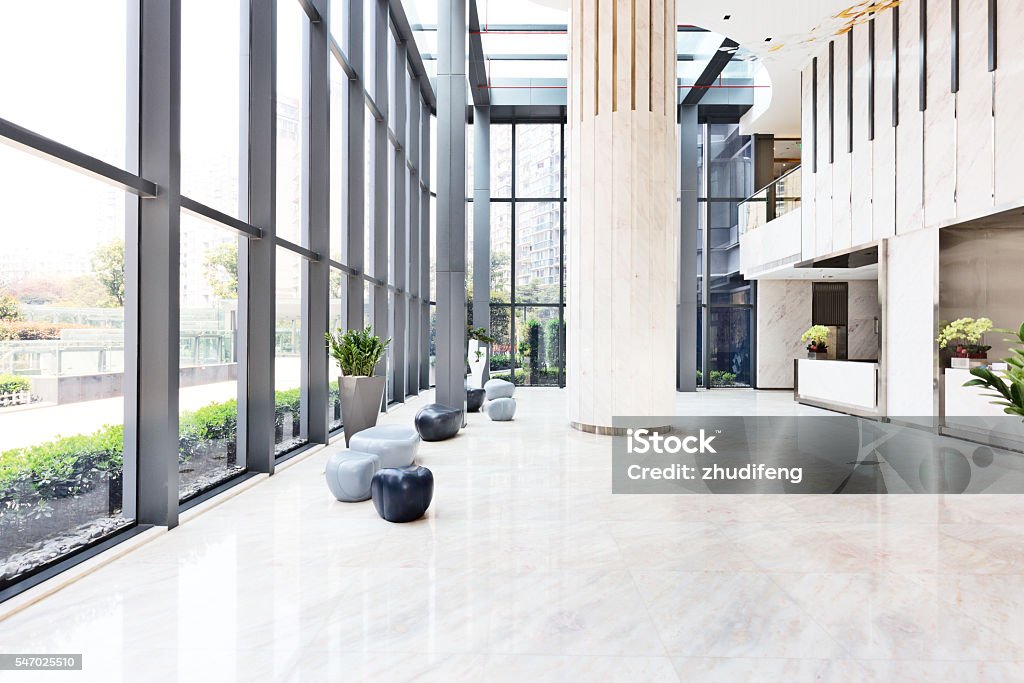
{"x": 12, "y": 384}
{"x": 60, "y": 468}
{"x": 31, "y": 331}
{"x": 67, "y": 466}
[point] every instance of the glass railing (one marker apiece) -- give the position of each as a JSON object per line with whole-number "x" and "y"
{"x": 770, "y": 202}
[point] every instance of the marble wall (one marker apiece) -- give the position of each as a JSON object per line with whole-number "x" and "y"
{"x": 956, "y": 160}
{"x": 862, "y": 341}
{"x": 783, "y": 314}
{"x": 909, "y": 328}
{"x": 1008, "y": 95}
{"x": 980, "y": 278}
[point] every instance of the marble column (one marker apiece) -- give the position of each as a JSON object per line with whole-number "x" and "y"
{"x": 622, "y": 211}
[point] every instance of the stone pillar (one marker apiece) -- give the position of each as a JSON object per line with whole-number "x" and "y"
{"x": 622, "y": 216}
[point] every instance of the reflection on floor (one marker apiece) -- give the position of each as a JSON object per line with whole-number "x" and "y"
{"x": 528, "y": 568}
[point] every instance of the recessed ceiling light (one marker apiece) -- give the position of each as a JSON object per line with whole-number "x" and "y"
{"x": 767, "y": 40}
{"x": 727, "y": 17}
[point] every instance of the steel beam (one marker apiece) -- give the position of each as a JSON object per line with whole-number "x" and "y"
{"x": 355, "y": 228}
{"x": 482, "y": 220}
{"x": 151, "y": 437}
{"x": 689, "y": 208}
{"x": 257, "y": 258}
{"x": 477, "y": 64}
{"x": 378, "y": 267}
{"x": 69, "y": 157}
{"x": 316, "y": 188}
{"x": 426, "y": 179}
{"x": 412, "y": 373}
{"x": 712, "y": 70}
{"x": 399, "y": 324}
{"x": 452, "y": 100}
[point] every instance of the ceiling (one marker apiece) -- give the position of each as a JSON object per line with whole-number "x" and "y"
{"x": 781, "y": 36}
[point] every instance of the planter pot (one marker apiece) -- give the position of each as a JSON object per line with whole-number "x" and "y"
{"x": 817, "y": 355}
{"x": 361, "y": 399}
{"x": 478, "y": 369}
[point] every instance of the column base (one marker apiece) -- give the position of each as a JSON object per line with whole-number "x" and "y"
{"x": 614, "y": 431}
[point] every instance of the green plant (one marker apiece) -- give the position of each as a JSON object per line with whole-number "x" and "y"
{"x": 500, "y": 361}
{"x": 12, "y": 384}
{"x": 964, "y": 336}
{"x": 220, "y": 265}
{"x": 479, "y": 334}
{"x": 1009, "y": 388}
{"x": 532, "y": 331}
{"x": 554, "y": 331}
{"x": 719, "y": 378}
{"x": 817, "y": 338}
{"x": 59, "y": 468}
{"x": 10, "y": 309}
{"x": 108, "y": 266}
{"x": 23, "y": 330}
{"x": 356, "y": 351}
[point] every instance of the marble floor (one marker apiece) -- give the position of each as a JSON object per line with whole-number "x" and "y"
{"x": 528, "y": 568}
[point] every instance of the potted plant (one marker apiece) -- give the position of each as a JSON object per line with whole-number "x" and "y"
{"x": 361, "y": 393}
{"x": 963, "y": 338}
{"x": 817, "y": 342}
{"x": 477, "y": 355}
{"x": 1008, "y": 388}
{"x": 14, "y": 390}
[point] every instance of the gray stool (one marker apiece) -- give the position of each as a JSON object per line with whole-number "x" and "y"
{"x": 436, "y": 422}
{"x": 395, "y": 445}
{"x": 499, "y": 388}
{"x": 402, "y": 494}
{"x": 349, "y": 474}
{"x": 501, "y": 409}
{"x": 475, "y": 400}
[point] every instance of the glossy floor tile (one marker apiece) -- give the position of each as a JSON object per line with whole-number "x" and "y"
{"x": 526, "y": 567}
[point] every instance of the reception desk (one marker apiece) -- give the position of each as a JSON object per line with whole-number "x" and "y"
{"x": 969, "y": 412}
{"x": 845, "y": 386}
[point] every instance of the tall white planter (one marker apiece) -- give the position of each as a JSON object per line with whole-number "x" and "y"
{"x": 478, "y": 368}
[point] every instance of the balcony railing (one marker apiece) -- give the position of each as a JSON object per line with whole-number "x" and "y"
{"x": 770, "y": 202}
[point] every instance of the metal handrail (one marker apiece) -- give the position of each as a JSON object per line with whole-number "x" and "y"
{"x": 751, "y": 215}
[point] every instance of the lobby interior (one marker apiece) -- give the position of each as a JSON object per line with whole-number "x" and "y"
{"x": 622, "y": 208}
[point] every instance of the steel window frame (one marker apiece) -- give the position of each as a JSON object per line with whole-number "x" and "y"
{"x": 154, "y": 205}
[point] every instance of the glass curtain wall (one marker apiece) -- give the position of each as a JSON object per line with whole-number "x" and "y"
{"x": 726, "y": 312}
{"x": 527, "y": 253}
{"x": 77, "y": 332}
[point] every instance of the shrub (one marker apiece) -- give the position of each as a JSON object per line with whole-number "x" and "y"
{"x": 500, "y": 361}
{"x": 10, "y": 309}
{"x": 12, "y": 384}
{"x": 63, "y": 467}
{"x": 29, "y": 331}
{"x": 719, "y": 378}
{"x": 67, "y": 466}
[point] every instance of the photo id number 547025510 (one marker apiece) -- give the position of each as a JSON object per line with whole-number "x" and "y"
{"x": 39, "y": 662}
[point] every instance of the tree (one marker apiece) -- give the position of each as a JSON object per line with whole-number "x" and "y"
{"x": 108, "y": 267}
{"x": 221, "y": 264}
{"x": 10, "y": 310}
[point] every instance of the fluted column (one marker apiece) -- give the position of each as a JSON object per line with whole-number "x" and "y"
{"x": 621, "y": 237}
